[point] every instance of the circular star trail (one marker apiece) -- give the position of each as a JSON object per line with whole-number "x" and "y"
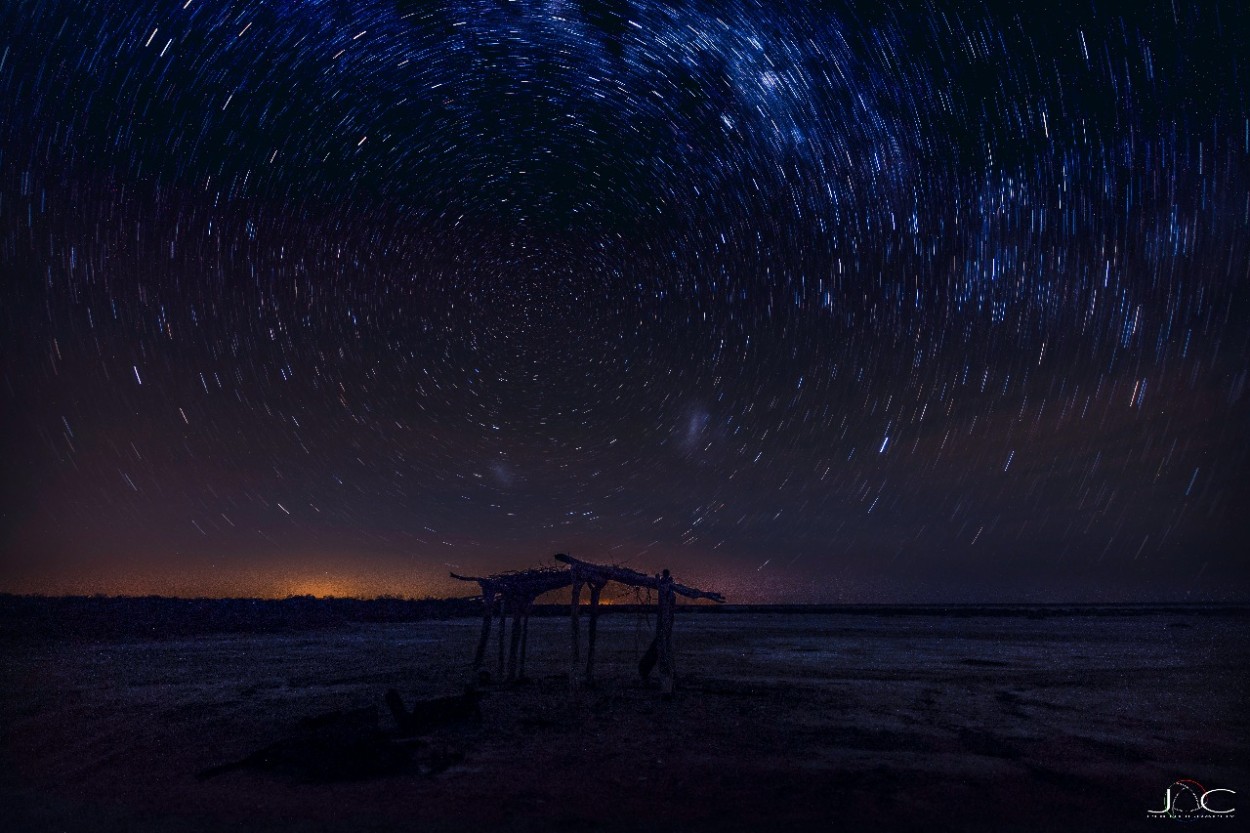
{"x": 840, "y": 301}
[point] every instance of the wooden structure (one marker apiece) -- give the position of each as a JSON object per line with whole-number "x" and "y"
{"x": 514, "y": 594}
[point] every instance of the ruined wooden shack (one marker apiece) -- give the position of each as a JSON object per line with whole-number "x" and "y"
{"x": 514, "y": 594}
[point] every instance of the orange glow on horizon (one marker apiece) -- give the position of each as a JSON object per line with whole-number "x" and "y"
{"x": 237, "y": 581}
{"x": 320, "y": 574}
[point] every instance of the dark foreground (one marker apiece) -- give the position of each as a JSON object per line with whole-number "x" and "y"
{"x": 829, "y": 722}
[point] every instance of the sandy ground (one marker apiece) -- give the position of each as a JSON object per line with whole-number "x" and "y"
{"x": 831, "y": 722}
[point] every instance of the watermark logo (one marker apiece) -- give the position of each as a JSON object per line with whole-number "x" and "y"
{"x": 1186, "y": 799}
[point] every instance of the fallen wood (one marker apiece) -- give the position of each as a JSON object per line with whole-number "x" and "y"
{"x": 428, "y": 715}
{"x": 338, "y": 746}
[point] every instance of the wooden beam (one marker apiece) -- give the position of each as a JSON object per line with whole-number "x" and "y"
{"x": 624, "y": 575}
{"x": 525, "y": 582}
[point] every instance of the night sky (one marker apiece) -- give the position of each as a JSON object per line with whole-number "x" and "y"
{"x": 846, "y": 301}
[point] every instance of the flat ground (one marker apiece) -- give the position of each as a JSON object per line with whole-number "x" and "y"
{"x": 781, "y": 722}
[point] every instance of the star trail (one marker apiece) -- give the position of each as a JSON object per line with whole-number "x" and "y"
{"x": 837, "y": 301}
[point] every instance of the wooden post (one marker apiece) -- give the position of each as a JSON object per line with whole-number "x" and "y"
{"x": 573, "y": 614}
{"x": 518, "y": 606}
{"x": 664, "y": 633}
{"x": 488, "y": 605}
{"x": 525, "y": 636}
{"x": 595, "y": 590}
{"x": 503, "y": 625}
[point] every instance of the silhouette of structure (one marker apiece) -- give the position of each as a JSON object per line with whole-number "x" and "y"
{"x": 514, "y": 594}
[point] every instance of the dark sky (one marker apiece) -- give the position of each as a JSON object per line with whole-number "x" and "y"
{"x": 845, "y": 301}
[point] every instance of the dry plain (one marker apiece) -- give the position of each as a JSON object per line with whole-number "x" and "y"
{"x": 1054, "y": 720}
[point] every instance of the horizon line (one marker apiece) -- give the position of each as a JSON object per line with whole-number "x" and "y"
{"x": 391, "y": 598}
